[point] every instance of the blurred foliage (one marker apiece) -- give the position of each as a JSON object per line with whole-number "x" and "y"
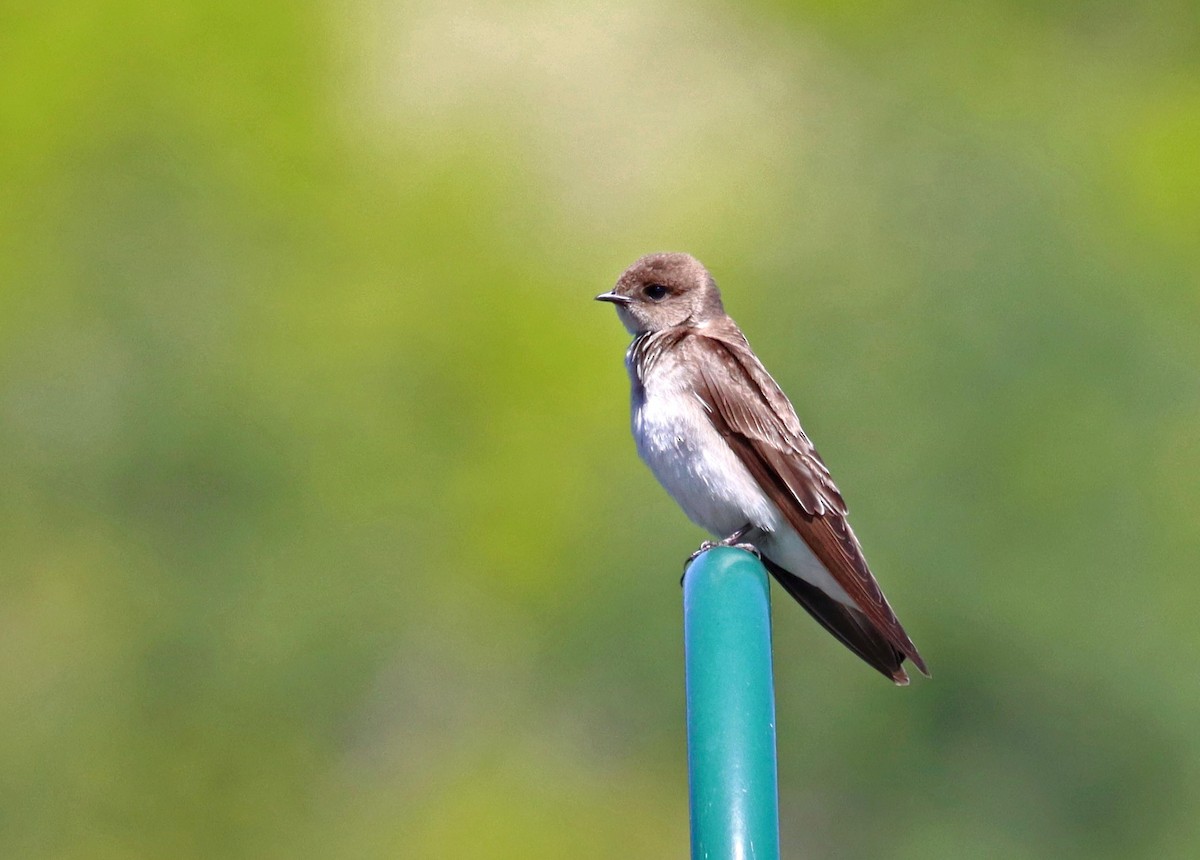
{"x": 322, "y": 533}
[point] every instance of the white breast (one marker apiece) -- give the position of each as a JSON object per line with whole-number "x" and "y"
{"x": 696, "y": 466}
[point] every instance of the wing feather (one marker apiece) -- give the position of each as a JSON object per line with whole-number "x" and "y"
{"x": 766, "y": 435}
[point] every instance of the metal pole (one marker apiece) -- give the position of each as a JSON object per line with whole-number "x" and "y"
{"x": 733, "y": 788}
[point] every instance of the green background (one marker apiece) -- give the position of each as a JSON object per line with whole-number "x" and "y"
{"x": 321, "y": 530}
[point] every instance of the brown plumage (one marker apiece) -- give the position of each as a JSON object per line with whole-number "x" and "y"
{"x": 687, "y": 351}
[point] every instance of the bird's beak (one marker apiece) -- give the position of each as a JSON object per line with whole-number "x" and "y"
{"x": 615, "y": 298}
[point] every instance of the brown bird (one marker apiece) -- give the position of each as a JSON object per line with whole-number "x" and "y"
{"x": 725, "y": 442}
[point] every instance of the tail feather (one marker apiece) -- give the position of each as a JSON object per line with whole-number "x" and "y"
{"x": 849, "y": 626}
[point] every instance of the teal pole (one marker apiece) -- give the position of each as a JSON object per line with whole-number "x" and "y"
{"x": 733, "y": 788}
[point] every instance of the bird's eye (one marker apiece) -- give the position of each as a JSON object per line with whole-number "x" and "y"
{"x": 656, "y": 292}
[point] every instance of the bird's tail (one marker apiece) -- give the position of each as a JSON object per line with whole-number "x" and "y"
{"x": 851, "y": 627}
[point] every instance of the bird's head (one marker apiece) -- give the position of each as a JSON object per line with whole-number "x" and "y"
{"x": 662, "y": 291}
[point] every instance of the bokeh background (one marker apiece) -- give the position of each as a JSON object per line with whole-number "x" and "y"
{"x": 321, "y": 530}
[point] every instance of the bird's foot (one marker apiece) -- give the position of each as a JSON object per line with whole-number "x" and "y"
{"x": 734, "y": 541}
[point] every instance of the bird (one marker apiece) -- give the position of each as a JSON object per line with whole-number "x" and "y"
{"x": 725, "y": 442}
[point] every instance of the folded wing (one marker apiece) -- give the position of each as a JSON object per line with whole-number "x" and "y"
{"x": 766, "y": 435}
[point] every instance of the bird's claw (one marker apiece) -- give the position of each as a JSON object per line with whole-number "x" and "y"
{"x": 748, "y": 547}
{"x": 732, "y": 541}
{"x": 705, "y": 546}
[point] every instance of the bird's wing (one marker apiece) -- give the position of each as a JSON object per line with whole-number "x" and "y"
{"x": 765, "y": 433}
